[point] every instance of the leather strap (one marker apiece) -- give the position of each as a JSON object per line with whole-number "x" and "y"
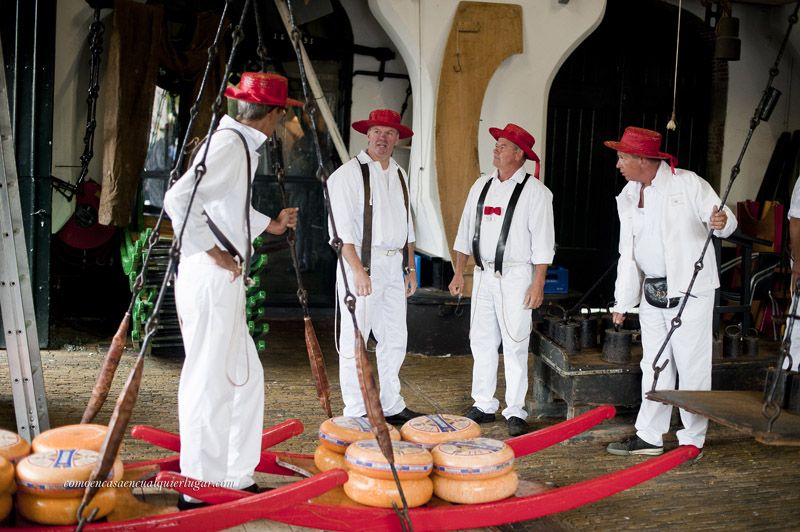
{"x": 501, "y": 241}
{"x": 476, "y": 237}
{"x": 366, "y": 238}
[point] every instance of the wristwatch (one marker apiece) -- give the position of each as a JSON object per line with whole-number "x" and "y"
{"x": 409, "y": 270}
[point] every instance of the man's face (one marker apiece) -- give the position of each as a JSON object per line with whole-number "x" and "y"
{"x": 506, "y": 154}
{"x": 381, "y": 141}
{"x": 630, "y": 166}
{"x": 273, "y": 118}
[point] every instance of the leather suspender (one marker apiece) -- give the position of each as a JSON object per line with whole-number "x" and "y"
{"x": 366, "y": 239}
{"x": 501, "y": 241}
{"x": 476, "y": 238}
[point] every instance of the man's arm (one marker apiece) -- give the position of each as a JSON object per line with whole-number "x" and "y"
{"x": 287, "y": 219}
{"x": 535, "y": 293}
{"x": 363, "y": 284}
{"x": 457, "y": 284}
{"x": 411, "y": 276}
{"x": 794, "y": 242}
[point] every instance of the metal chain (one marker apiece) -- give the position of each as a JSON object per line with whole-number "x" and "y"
{"x": 760, "y": 114}
{"x": 261, "y": 50}
{"x": 349, "y": 298}
{"x": 95, "y": 40}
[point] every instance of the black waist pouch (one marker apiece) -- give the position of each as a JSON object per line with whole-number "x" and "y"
{"x": 655, "y": 292}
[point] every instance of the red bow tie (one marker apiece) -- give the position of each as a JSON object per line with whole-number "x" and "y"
{"x": 492, "y": 210}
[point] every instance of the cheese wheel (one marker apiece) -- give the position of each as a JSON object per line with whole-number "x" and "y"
{"x": 84, "y": 436}
{"x": 325, "y": 459}
{"x": 61, "y": 473}
{"x": 338, "y": 432}
{"x": 6, "y": 475}
{"x": 52, "y": 511}
{"x": 472, "y": 459}
{"x": 475, "y": 491}
{"x": 382, "y": 493}
{"x": 433, "y": 429}
{"x": 12, "y": 446}
{"x": 411, "y": 461}
{"x": 5, "y": 505}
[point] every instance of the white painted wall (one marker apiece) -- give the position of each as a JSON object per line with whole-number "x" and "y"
{"x": 517, "y": 93}
{"x": 71, "y": 82}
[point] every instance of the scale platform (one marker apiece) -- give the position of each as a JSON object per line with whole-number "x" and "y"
{"x": 740, "y": 410}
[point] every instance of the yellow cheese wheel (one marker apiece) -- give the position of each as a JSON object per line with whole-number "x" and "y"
{"x": 5, "y": 505}
{"x": 472, "y": 459}
{"x": 60, "y": 473}
{"x": 433, "y": 429}
{"x": 12, "y": 446}
{"x": 381, "y": 493}
{"x": 50, "y": 511}
{"x": 338, "y": 432}
{"x": 325, "y": 459}
{"x": 475, "y": 491}
{"x": 6, "y": 475}
{"x": 84, "y": 436}
{"x": 410, "y": 460}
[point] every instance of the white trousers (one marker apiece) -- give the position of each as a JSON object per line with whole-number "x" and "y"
{"x": 795, "y": 348}
{"x": 689, "y": 355}
{"x": 498, "y": 315}
{"x": 221, "y": 391}
{"x": 384, "y": 314}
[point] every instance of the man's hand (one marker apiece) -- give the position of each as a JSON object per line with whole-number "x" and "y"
{"x": 225, "y": 260}
{"x": 534, "y": 295}
{"x": 618, "y": 318}
{"x": 411, "y": 283}
{"x": 457, "y": 284}
{"x": 718, "y": 219}
{"x": 362, "y": 281}
{"x": 287, "y": 219}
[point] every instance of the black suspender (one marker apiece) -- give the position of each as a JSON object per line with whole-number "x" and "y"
{"x": 501, "y": 241}
{"x": 366, "y": 238}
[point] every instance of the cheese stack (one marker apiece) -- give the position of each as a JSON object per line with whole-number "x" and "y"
{"x": 336, "y": 434}
{"x": 83, "y": 436}
{"x": 13, "y": 447}
{"x": 434, "y": 429}
{"x": 370, "y": 480}
{"x": 473, "y": 471}
{"x": 7, "y": 487}
{"x": 51, "y": 486}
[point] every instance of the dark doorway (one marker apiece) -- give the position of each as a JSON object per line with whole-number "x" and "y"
{"x": 621, "y": 75}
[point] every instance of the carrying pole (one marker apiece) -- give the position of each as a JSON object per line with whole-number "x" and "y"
{"x": 16, "y": 295}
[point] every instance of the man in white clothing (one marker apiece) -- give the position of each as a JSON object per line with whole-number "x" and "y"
{"x": 665, "y": 214}
{"x": 507, "y": 226}
{"x": 369, "y": 199}
{"x": 794, "y": 241}
{"x": 221, "y": 391}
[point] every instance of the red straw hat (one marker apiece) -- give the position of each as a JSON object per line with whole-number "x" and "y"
{"x": 521, "y": 138}
{"x": 385, "y": 118}
{"x": 266, "y": 88}
{"x": 643, "y": 143}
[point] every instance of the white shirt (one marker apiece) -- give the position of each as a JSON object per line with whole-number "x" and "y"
{"x": 648, "y": 249}
{"x": 391, "y": 224}
{"x": 794, "y": 205}
{"x": 531, "y": 237}
{"x": 221, "y": 193}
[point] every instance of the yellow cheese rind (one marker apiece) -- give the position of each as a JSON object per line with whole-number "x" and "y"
{"x": 12, "y": 446}
{"x": 325, "y": 459}
{"x": 472, "y": 459}
{"x": 381, "y": 493}
{"x": 49, "y": 474}
{"x": 55, "y": 511}
{"x": 411, "y": 461}
{"x": 6, "y": 475}
{"x": 475, "y": 491}
{"x": 5, "y": 505}
{"x": 338, "y": 432}
{"x": 83, "y": 436}
{"x": 434, "y": 429}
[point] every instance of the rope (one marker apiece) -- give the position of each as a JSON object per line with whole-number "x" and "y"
{"x": 671, "y": 125}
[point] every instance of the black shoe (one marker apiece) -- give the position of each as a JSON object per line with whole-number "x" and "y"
{"x": 479, "y": 416}
{"x": 517, "y": 426}
{"x": 402, "y": 417}
{"x": 634, "y": 446}
{"x": 184, "y": 505}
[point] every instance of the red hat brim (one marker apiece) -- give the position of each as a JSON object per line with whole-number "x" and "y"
{"x": 634, "y": 150}
{"x": 497, "y": 133}
{"x": 264, "y": 99}
{"x": 362, "y": 126}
